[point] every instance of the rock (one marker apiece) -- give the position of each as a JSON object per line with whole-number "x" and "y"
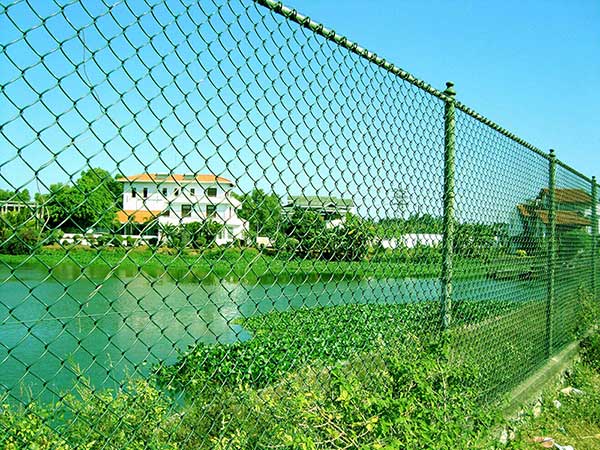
{"x": 537, "y": 409}
{"x": 503, "y": 437}
{"x": 557, "y": 404}
{"x": 546, "y": 442}
{"x": 570, "y": 390}
{"x": 563, "y": 447}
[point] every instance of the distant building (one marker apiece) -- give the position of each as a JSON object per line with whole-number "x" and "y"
{"x": 530, "y": 219}
{"x": 175, "y": 199}
{"x": 573, "y": 211}
{"x": 412, "y": 240}
{"x": 330, "y": 208}
{"x": 13, "y": 206}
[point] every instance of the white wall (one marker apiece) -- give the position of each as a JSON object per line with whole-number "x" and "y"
{"x": 412, "y": 240}
{"x": 157, "y": 201}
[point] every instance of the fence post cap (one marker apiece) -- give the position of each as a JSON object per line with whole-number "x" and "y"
{"x": 450, "y": 89}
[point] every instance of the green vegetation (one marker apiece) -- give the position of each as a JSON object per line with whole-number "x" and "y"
{"x": 91, "y": 201}
{"x": 306, "y": 235}
{"x": 21, "y": 195}
{"x": 195, "y": 235}
{"x": 576, "y": 421}
{"x": 251, "y": 265}
{"x": 410, "y": 395}
{"x": 283, "y": 340}
{"x": 417, "y": 223}
{"x": 262, "y": 211}
{"x": 368, "y": 376}
{"x": 21, "y": 233}
{"x": 572, "y": 243}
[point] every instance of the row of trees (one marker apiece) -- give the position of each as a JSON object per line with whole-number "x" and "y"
{"x": 307, "y": 233}
{"x": 91, "y": 201}
{"x": 94, "y": 198}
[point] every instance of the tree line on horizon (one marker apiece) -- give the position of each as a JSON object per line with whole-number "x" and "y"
{"x": 92, "y": 200}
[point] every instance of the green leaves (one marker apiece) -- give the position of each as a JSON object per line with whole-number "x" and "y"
{"x": 194, "y": 235}
{"x": 91, "y": 202}
{"x": 348, "y": 240}
{"x": 262, "y": 211}
{"x": 285, "y": 341}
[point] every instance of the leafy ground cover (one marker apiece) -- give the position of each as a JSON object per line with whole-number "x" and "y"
{"x": 410, "y": 396}
{"x": 284, "y": 341}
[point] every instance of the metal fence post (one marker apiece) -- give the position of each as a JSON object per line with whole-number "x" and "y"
{"x": 594, "y": 246}
{"x": 449, "y": 153}
{"x": 551, "y": 252}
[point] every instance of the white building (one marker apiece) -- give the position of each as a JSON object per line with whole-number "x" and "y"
{"x": 174, "y": 199}
{"x": 411, "y": 240}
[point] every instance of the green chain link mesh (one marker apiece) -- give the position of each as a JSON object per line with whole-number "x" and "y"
{"x": 209, "y": 208}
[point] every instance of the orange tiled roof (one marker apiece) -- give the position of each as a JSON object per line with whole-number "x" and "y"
{"x": 569, "y": 195}
{"x": 175, "y": 178}
{"x": 567, "y": 218}
{"x": 524, "y": 210}
{"x": 137, "y": 216}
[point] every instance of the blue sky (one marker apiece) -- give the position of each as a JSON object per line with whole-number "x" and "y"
{"x": 531, "y": 66}
{"x": 231, "y": 88}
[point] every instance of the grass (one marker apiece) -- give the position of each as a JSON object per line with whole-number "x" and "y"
{"x": 576, "y": 421}
{"x": 251, "y": 265}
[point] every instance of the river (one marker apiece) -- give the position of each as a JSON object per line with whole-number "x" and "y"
{"x": 60, "y": 323}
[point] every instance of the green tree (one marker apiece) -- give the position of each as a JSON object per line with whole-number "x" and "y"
{"x": 417, "y": 223}
{"x": 262, "y": 211}
{"x": 194, "y": 234}
{"x": 15, "y": 196}
{"x": 19, "y": 232}
{"x": 476, "y": 240}
{"x": 306, "y": 228}
{"x": 349, "y": 241}
{"x": 201, "y": 234}
{"x": 91, "y": 202}
{"x": 572, "y": 243}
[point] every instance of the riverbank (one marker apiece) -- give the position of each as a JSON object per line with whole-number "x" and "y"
{"x": 358, "y": 376}
{"x": 250, "y": 265}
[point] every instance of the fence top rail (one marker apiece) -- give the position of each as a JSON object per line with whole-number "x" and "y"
{"x": 353, "y": 47}
{"x": 573, "y": 171}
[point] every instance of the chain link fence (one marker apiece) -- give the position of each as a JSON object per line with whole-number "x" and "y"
{"x": 223, "y": 225}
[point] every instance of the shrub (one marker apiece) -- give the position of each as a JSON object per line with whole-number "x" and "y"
{"x": 196, "y": 235}
{"x": 19, "y": 233}
{"x": 572, "y": 243}
{"x": 307, "y": 235}
{"x": 590, "y": 351}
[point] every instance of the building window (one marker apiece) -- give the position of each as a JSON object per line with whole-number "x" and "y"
{"x": 211, "y": 210}
{"x": 176, "y": 192}
{"x": 192, "y": 191}
{"x": 166, "y": 213}
{"x": 211, "y": 192}
{"x": 186, "y": 210}
{"x": 145, "y": 192}
{"x": 165, "y": 191}
{"x": 133, "y": 193}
